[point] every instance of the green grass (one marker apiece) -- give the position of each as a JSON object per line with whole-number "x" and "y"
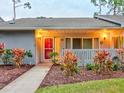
{"x": 101, "y": 86}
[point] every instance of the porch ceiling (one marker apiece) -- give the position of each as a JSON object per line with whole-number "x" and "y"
{"x": 83, "y": 30}
{"x": 79, "y": 32}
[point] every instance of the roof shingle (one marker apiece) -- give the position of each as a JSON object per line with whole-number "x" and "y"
{"x": 58, "y": 23}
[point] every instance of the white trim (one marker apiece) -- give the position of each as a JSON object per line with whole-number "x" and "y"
{"x": 82, "y": 42}
{"x": 93, "y": 43}
{"x": 98, "y": 42}
{"x": 82, "y": 38}
{"x": 71, "y": 42}
{"x": 64, "y": 43}
{"x": 36, "y": 60}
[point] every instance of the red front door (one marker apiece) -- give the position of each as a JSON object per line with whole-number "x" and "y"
{"x": 48, "y": 42}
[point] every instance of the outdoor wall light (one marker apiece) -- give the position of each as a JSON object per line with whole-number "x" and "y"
{"x": 39, "y": 34}
{"x": 104, "y": 36}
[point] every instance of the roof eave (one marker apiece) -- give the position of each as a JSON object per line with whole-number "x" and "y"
{"x": 17, "y": 28}
{"x": 108, "y": 19}
{"x": 34, "y": 28}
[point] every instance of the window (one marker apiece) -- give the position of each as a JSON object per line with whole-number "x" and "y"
{"x": 115, "y": 42}
{"x": 118, "y": 42}
{"x": 87, "y": 43}
{"x": 82, "y": 43}
{"x": 77, "y": 43}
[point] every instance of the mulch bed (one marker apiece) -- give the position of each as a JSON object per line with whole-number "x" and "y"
{"x": 10, "y": 73}
{"x": 56, "y": 77}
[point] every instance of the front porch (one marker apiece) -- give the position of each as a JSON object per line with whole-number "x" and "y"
{"x": 83, "y": 42}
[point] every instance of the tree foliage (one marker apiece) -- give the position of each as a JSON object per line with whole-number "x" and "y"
{"x": 114, "y": 7}
{"x": 17, "y": 3}
{"x": 99, "y": 4}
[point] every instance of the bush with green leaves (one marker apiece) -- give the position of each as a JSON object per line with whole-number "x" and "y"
{"x": 7, "y": 56}
{"x": 116, "y": 63}
{"x": 89, "y": 66}
{"x": 29, "y": 54}
{"x": 14, "y": 56}
{"x": 53, "y": 57}
{"x": 116, "y": 67}
{"x": 122, "y": 68}
{"x": 116, "y": 60}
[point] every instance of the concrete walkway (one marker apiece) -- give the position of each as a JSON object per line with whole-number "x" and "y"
{"x": 28, "y": 82}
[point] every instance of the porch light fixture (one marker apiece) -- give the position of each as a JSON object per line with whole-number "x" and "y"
{"x": 104, "y": 36}
{"x": 39, "y": 34}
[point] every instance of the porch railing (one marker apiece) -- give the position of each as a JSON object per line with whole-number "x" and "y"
{"x": 86, "y": 55}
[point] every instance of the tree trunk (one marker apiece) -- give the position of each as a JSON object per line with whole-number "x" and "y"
{"x": 100, "y": 7}
{"x": 14, "y": 11}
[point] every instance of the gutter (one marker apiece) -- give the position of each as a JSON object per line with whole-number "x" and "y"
{"x": 110, "y": 20}
{"x": 17, "y": 28}
{"x": 54, "y": 28}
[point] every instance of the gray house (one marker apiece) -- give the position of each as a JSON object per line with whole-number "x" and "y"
{"x": 45, "y": 35}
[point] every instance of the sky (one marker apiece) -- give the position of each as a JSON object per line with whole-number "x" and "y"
{"x": 48, "y": 8}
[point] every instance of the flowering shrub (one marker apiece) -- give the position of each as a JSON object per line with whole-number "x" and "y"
{"x": 1, "y": 49}
{"x": 120, "y": 53}
{"x": 103, "y": 62}
{"x": 69, "y": 64}
{"x": 15, "y": 55}
{"x": 18, "y": 56}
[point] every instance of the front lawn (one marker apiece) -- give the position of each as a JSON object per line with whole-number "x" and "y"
{"x": 100, "y": 86}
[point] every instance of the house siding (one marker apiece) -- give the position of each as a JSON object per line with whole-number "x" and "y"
{"x": 20, "y": 39}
